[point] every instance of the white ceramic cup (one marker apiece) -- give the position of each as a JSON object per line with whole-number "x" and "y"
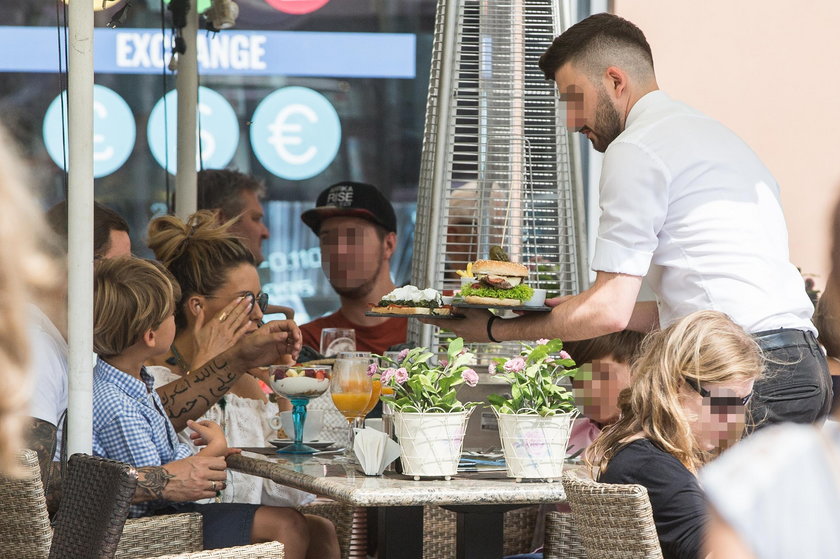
{"x": 311, "y": 428}
{"x": 537, "y": 299}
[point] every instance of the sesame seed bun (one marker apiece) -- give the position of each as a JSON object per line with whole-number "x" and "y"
{"x": 497, "y": 268}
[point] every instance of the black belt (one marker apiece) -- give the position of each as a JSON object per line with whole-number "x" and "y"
{"x": 785, "y": 337}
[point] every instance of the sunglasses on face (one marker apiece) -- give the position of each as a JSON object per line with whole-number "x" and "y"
{"x": 261, "y": 299}
{"x": 719, "y": 404}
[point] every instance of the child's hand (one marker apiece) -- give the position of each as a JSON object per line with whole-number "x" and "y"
{"x": 210, "y": 435}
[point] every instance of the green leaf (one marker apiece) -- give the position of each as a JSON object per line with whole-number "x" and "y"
{"x": 423, "y": 357}
{"x": 455, "y": 347}
{"x": 459, "y": 362}
{"x": 497, "y": 400}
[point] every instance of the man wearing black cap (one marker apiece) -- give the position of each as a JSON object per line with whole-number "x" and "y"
{"x": 357, "y": 228}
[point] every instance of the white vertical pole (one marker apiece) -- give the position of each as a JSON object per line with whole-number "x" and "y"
{"x": 80, "y": 233}
{"x": 186, "y": 82}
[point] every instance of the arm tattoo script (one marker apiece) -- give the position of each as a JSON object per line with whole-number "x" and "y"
{"x": 151, "y": 483}
{"x": 192, "y": 395}
{"x": 41, "y": 438}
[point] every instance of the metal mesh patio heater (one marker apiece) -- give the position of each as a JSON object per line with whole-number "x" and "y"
{"x": 499, "y": 166}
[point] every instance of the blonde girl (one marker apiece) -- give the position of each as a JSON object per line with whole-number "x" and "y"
{"x": 687, "y": 397}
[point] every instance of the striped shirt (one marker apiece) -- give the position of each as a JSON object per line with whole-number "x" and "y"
{"x": 129, "y": 424}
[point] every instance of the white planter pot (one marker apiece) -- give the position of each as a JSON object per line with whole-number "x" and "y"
{"x": 430, "y": 443}
{"x": 535, "y": 446}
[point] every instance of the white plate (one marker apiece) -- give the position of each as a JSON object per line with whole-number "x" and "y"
{"x": 317, "y": 445}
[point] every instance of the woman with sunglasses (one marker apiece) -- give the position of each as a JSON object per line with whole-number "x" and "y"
{"x": 220, "y": 302}
{"x": 688, "y": 393}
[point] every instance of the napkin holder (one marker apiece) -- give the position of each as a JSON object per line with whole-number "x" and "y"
{"x": 375, "y": 450}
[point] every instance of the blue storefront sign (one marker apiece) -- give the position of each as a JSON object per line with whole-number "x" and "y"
{"x": 295, "y": 133}
{"x": 114, "y": 131}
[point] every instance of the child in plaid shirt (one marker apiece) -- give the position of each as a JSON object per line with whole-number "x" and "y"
{"x": 134, "y": 301}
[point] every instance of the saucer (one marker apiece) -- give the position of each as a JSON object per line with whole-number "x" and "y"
{"x": 317, "y": 445}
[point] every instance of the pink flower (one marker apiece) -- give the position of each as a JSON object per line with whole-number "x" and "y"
{"x": 372, "y": 369}
{"x": 402, "y": 355}
{"x": 491, "y": 369}
{"x": 564, "y": 355}
{"x": 401, "y": 375}
{"x": 470, "y": 377}
{"x": 514, "y": 365}
{"x": 387, "y": 375}
{"x": 443, "y": 362}
{"x": 542, "y": 341}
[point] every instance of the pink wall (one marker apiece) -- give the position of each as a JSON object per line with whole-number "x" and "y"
{"x": 769, "y": 70}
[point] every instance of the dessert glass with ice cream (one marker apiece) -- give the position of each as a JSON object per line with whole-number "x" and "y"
{"x": 299, "y": 384}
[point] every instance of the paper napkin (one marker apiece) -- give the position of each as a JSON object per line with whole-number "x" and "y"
{"x": 375, "y": 450}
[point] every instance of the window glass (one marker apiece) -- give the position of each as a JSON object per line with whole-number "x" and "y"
{"x": 301, "y": 93}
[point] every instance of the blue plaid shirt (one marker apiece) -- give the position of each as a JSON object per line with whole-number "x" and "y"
{"x": 129, "y": 423}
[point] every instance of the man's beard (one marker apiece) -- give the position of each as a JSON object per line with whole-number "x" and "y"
{"x": 363, "y": 290}
{"x": 608, "y": 122}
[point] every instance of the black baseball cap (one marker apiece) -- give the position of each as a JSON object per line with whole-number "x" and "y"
{"x": 354, "y": 199}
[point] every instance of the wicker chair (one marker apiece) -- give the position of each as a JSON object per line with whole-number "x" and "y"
{"x": 342, "y": 516}
{"x": 152, "y": 536}
{"x": 95, "y": 496}
{"x": 179, "y": 536}
{"x": 614, "y": 521}
{"x": 273, "y": 550}
{"x": 24, "y": 523}
{"x": 439, "y": 531}
{"x": 561, "y": 538}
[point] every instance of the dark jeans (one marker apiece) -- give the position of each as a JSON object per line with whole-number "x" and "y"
{"x": 225, "y": 524}
{"x": 796, "y": 386}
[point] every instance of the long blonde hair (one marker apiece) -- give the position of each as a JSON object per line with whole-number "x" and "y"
{"x": 705, "y": 346}
{"x": 25, "y": 269}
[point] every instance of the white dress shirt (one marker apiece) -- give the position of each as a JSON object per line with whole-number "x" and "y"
{"x": 688, "y": 204}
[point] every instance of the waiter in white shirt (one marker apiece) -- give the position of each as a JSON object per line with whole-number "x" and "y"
{"x": 685, "y": 203}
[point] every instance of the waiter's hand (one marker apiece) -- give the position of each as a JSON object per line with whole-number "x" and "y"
{"x": 473, "y": 327}
{"x": 555, "y": 301}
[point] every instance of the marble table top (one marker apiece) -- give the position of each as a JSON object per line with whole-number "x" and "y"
{"x": 323, "y": 475}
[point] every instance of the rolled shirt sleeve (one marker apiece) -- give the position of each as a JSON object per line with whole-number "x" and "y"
{"x": 634, "y": 206}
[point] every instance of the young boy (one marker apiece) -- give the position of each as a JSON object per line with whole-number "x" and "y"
{"x": 134, "y": 302}
{"x": 604, "y": 372}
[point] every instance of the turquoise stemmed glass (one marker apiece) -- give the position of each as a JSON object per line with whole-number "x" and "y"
{"x": 299, "y": 384}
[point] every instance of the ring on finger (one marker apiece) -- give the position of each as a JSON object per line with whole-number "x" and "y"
{"x": 223, "y": 317}
{"x": 213, "y": 486}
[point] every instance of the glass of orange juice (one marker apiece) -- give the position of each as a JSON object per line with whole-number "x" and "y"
{"x": 351, "y": 389}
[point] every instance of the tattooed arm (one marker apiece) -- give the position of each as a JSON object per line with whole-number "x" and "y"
{"x": 188, "y": 479}
{"x": 192, "y": 395}
{"x": 42, "y": 439}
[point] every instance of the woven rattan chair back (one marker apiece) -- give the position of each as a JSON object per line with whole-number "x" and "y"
{"x": 272, "y": 550}
{"x": 151, "y": 536}
{"x": 24, "y": 523}
{"x": 614, "y": 521}
{"x": 95, "y": 497}
{"x": 439, "y": 535}
{"x": 562, "y": 540}
{"x": 344, "y": 517}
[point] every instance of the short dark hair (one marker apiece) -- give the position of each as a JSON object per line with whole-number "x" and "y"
{"x": 221, "y": 189}
{"x": 105, "y": 220}
{"x": 621, "y": 346}
{"x": 598, "y": 32}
